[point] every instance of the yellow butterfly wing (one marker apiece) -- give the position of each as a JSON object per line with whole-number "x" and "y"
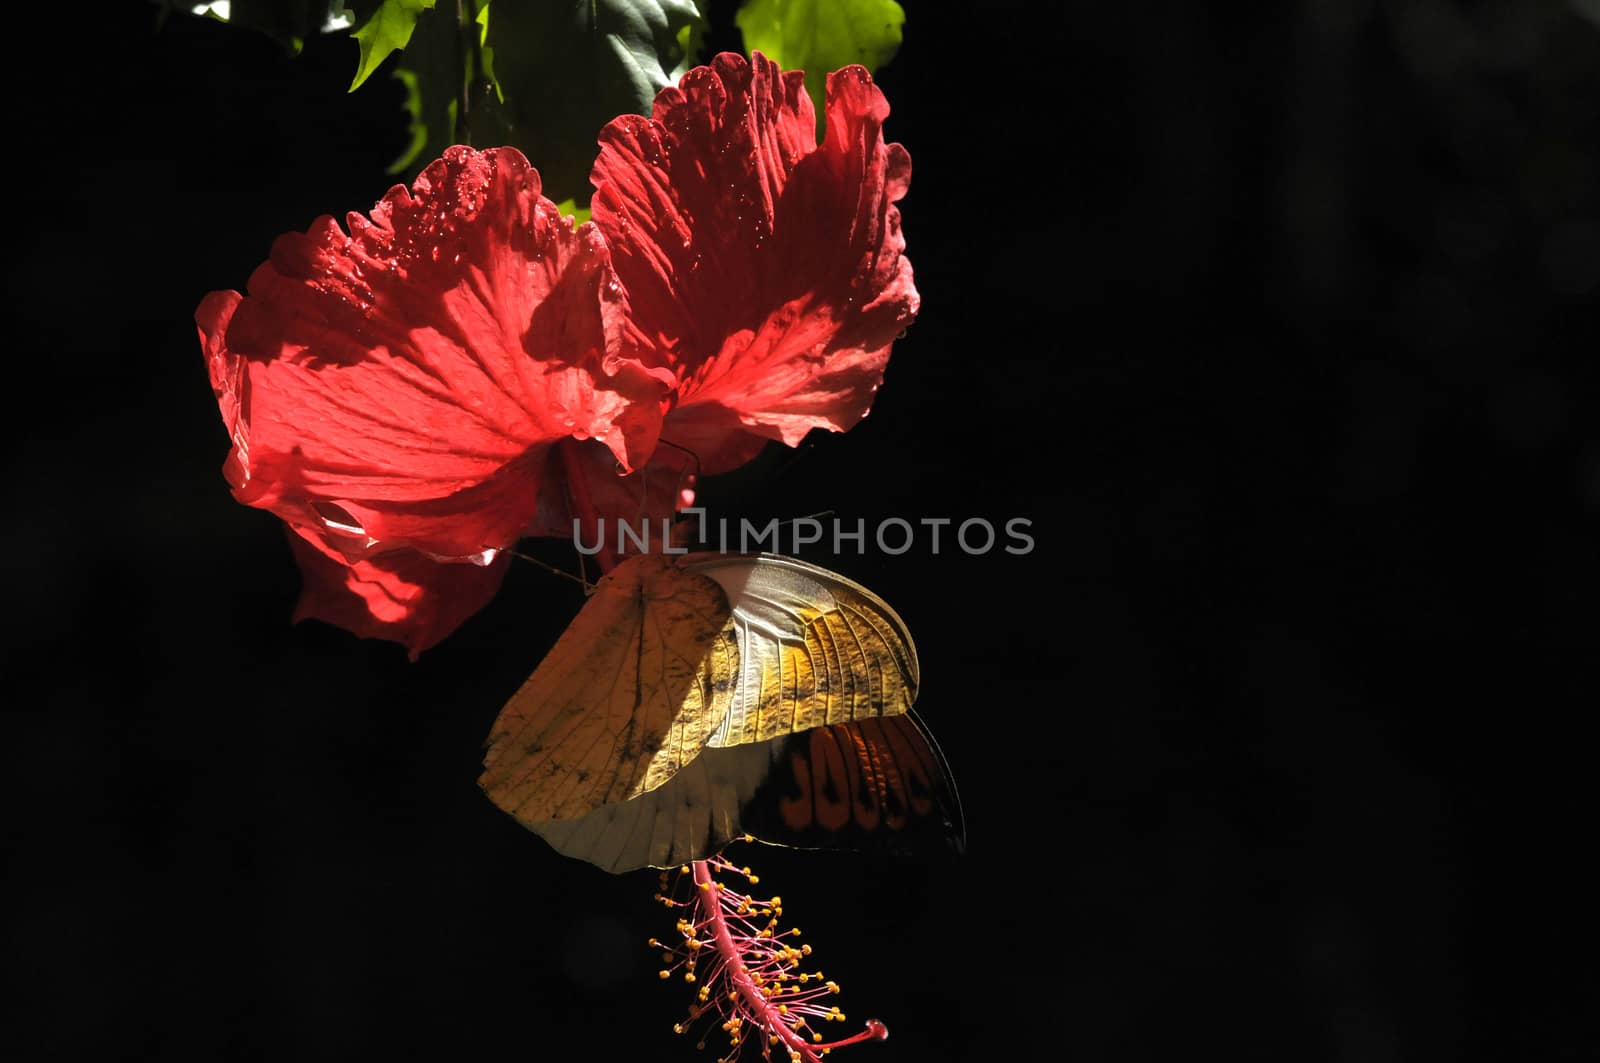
{"x": 624, "y": 699}
{"x": 695, "y": 813}
{"x": 815, "y": 648}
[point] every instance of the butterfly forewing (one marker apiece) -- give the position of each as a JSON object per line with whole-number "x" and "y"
{"x": 623, "y": 701}
{"x": 694, "y": 814}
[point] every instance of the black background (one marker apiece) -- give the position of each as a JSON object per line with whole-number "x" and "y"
{"x": 1278, "y": 324}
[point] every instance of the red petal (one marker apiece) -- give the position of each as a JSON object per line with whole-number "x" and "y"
{"x": 765, "y": 271}
{"x": 411, "y": 374}
{"x": 403, "y": 595}
{"x": 227, "y": 378}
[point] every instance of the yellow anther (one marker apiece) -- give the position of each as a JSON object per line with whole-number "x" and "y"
{"x": 776, "y": 901}
{"x": 688, "y": 976}
{"x": 694, "y": 943}
{"x": 754, "y": 879}
{"x": 833, "y": 987}
{"x": 783, "y": 1009}
{"x": 816, "y": 1038}
{"x": 666, "y": 974}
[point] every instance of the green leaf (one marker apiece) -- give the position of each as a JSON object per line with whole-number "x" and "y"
{"x": 569, "y": 208}
{"x": 486, "y": 53}
{"x": 383, "y": 27}
{"x": 565, "y": 69}
{"x": 433, "y": 71}
{"x": 820, "y": 36}
{"x": 692, "y": 40}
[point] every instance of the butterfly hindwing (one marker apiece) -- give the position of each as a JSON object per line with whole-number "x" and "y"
{"x": 815, "y": 648}
{"x": 877, "y": 783}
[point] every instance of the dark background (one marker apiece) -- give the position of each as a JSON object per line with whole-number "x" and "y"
{"x": 1280, "y": 326}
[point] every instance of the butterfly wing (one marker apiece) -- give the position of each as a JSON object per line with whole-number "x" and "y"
{"x": 691, "y": 816}
{"x": 626, "y": 698}
{"x": 878, "y": 783}
{"x": 815, "y": 648}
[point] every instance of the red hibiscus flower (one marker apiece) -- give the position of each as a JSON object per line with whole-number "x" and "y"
{"x": 407, "y": 394}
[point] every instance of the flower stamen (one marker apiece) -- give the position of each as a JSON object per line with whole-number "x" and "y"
{"x": 750, "y": 968}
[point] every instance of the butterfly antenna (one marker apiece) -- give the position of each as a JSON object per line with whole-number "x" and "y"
{"x": 684, "y": 450}
{"x": 691, "y": 474}
{"x": 581, "y": 580}
{"x": 792, "y": 523}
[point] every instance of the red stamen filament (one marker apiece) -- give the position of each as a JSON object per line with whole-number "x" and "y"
{"x": 749, "y": 974}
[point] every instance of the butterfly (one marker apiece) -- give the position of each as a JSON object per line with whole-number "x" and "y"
{"x": 700, "y": 697}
